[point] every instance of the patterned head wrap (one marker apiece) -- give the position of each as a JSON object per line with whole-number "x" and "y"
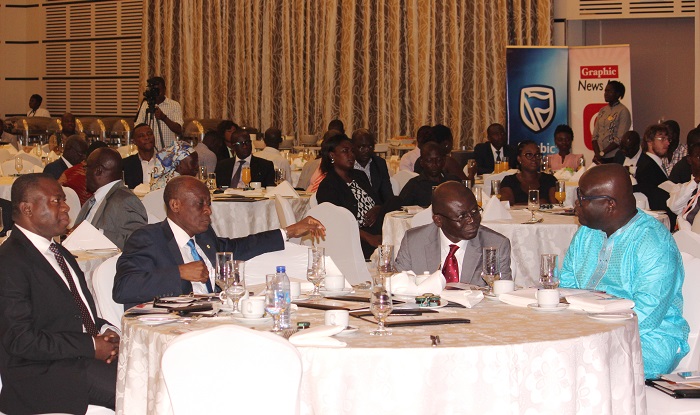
{"x": 167, "y": 161}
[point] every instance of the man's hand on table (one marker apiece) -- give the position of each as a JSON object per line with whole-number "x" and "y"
{"x": 194, "y": 271}
{"x": 107, "y": 346}
{"x": 308, "y": 225}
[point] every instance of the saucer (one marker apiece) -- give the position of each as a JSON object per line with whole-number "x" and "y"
{"x": 490, "y": 296}
{"x": 253, "y": 320}
{"x": 155, "y": 320}
{"x": 611, "y": 316}
{"x": 536, "y": 307}
{"x": 348, "y": 330}
{"x": 336, "y": 293}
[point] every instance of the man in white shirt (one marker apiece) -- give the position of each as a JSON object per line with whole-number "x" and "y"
{"x": 650, "y": 172}
{"x": 408, "y": 160}
{"x": 139, "y": 167}
{"x": 683, "y": 201}
{"x": 207, "y": 158}
{"x": 271, "y": 152}
{"x": 168, "y": 115}
{"x": 35, "y": 109}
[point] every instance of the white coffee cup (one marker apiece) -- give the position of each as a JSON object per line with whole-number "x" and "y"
{"x": 337, "y": 318}
{"x": 503, "y": 286}
{"x": 334, "y": 282}
{"x": 253, "y": 307}
{"x": 295, "y": 289}
{"x": 547, "y": 298}
{"x": 256, "y": 185}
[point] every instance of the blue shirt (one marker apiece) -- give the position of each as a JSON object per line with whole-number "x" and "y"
{"x": 640, "y": 262}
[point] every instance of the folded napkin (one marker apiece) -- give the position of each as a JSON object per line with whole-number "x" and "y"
{"x": 142, "y": 190}
{"x": 575, "y": 178}
{"x": 87, "y": 237}
{"x": 495, "y": 210}
{"x": 520, "y": 298}
{"x": 331, "y": 269}
{"x": 467, "y": 298}
{"x": 412, "y": 210}
{"x": 669, "y": 186}
{"x": 499, "y": 176}
{"x": 282, "y": 189}
{"x": 564, "y": 174}
{"x": 246, "y": 193}
{"x": 599, "y": 303}
{"x": 298, "y": 163}
{"x": 404, "y": 283}
{"x": 318, "y": 337}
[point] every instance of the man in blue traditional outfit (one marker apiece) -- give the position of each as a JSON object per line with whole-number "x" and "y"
{"x": 629, "y": 254}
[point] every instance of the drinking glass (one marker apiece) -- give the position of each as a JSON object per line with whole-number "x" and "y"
{"x": 245, "y": 176}
{"x": 581, "y": 163}
{"x": 236, "y": 283}
{"x": 504, "y": 164}
{"x": 279, "y": 176}
{"x": 275, "y": 301}
{"x": 560, "y": 193}
{"x": 211, "y": 181}
{"x": 385, "y": 265}
{"x": 549, "y": 271}
{"x": 478, "y": 195}
{"x": 490, "y": 268}
{"x": 37, "y": 149}
{"x": 380, "y": 306}
{"x": 316, "y": 270}
{"x": 19, "y": 165}
{"x": 224, "y": 269}
{"x": 496, "y": 188}
{"x": 533, "y": 203}
{"x": 202, "y": 174}
{"x": 471, "y": 169}
{"x": 546, "y": 165}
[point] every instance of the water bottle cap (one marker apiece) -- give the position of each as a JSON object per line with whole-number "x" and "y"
{"x": 281, "y": 269}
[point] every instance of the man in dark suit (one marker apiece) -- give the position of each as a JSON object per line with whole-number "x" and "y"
{"x": 496, "y": 148}
{"x": 113, "y": 208}
{"x": 56, "y": 354}
{"x": 454, "y": 241}
{"x": 7, "y": 222}
{"x": 228, "y": 172}
{"x": 73, "y": 153}
{"x": 650, "y": 174}
{"x": 160, "y": 260}
{"x": 144, "y": 160}
{"x": 373, "y": 166}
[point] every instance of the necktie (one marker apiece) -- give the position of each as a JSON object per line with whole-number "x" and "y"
{"x": 498, "y": 155}
{"x": 91, "y": 204}
{"x": 196, "y": 257}
{"x": 692, "y": 207}
{"x": 88, "y": 323}
{"x": 237, "y": 175}
{"x": 451, "y": 270}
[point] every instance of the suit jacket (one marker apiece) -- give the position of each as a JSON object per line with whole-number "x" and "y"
{"x": 119, "y": 214}
{"x": 148, "y": 266}
{"x": 333, "y": 189}
{"x": 56, "y": 168}
{"x": 484, "y": 157}
{"x": 133, "y": 172}
{"x": 379, "y": 172}
{"x": 420, "y": 252}
{"x": 7, "y": 222}
{"x": 43, "y": 351}
{"x": 649, "y": 176}
{"x": 261, "y": 170}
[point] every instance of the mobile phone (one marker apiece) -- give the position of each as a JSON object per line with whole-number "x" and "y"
{"x": 690, "y": 375}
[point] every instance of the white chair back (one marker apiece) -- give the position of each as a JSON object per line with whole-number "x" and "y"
{"x": 696, "y": 227}
{"x": 313, "y": 202}
{"x": 285, "y": 212}
{"x": 73, "y": 202}
{"x": 423, "y": 217}
{"x": 688, "y": 242}
{"x": 293, "y": 257}
{"x": 8, "y": 167}
{"x": 5, "y": 155}
{"x": 102, "y": 283}
{"x": 155, "y": 206}
{"x": 641, "y": 200}
{"x": 262, "y": 356}
{"x": 342, "y": 241}
{"x": 399, "y": 180}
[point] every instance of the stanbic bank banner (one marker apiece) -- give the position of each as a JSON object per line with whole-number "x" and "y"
{"x": 590, "y": 70}
{"x": 537, "y": 94}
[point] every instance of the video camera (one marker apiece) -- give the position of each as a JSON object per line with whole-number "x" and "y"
{"x": 151, "y": 94}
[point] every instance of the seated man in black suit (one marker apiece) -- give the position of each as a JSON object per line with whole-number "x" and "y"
{"x": 650, "y": 173}
{"x": 442, "y": 135}
{"x": 138, "y": 167}
{"x": 419, "y": 190}
{"x": 495, "y": 149}
{"x": 73, "y": 153}
{"x": 228, "y": 172}
{"x": 158, "y": 259}
{"x": 373, "y": 166}
{"x": 682, "y": 170}
{"x": 56, "y": 354}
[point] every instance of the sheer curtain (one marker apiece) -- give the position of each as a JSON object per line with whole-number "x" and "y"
{"x": 387, "y": 65}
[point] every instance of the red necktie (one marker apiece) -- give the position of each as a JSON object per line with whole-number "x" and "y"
{"x": 451, "y": 269}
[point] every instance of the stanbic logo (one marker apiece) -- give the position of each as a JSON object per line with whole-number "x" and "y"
{"x": 597, "y": 72}
{"x": 537, "y": 107}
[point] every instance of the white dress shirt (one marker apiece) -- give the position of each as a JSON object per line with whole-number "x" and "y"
{"x": 365, "y": 169}
{"x": 172, "y": 110}
{"x": 632, "y": 162}
{"x": 147, "y": 167}
{"x": 408, "y": 160}
{"x": 445, "y": 250}
{"x": 40, "y": 112}
{"x": 496, "y": 152}
{"x": 280, "y": 162}
{"x": 181, "y": 238}
{"x": 99, "y": 196}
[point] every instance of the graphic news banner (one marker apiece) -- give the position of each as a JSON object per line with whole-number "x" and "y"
{"x": 537, "y": 94}
{"x": 590, "y": 70}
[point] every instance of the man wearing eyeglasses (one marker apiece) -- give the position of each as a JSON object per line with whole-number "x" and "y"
{"x": 650, "y": 173}
{"x": 228, "y": 172}
{"x": 628, "y": 254}
{"x": 455, "y": 240}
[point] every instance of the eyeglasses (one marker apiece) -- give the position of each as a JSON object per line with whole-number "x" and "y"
{"x": 532, "y": 156}
{"x": 662, "y": 138}
{"x": 468, "y": 217}
{"x": 242, "y": 143}
{"x": 581, "y": 198}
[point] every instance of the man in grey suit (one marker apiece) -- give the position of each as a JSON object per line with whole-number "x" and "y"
{"x": 113, "y": 208}
{"x": 454, "y": 241}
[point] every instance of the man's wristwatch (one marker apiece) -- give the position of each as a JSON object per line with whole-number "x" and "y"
{"x": 601, "y": 153}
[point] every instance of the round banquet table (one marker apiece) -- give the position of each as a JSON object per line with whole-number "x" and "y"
{"x": 235, "y": 219}
{"x": 507, "y": 360}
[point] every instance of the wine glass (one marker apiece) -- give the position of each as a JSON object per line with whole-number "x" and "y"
{"x": 496, "y": 188}
{"x": 279, "y": 176}
{"x": 245, "y": 176}
{"x": 546, "y": 165}
{"x": 37, "y": 149}
{"x": 549, "y": 271}
{"x": 490, "y": 268}
{"x": 236, "y": 283}
{"x": 533, "y": 203}
{"x": 275, "y": 300}
{"x": 560, "y": 193}
{"x": 316, "y": 270}
{"x": 19, "y": 165}
{"x": 202, "y": 174}
{"x": 385, "y": 264}
{"x": 224, "y": 269}
{"x": 478, "y": 195}
{"x": 211, "y": 182}
{"x": 380, "y": 306}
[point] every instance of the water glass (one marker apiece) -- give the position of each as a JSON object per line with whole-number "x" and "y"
{"x": 478, "y": 195}
{"x": 549, "y": 271}
{"x": 236, "y": 283}
{"x": 211, "y": 181}
{"x": 385, "y": 263}
{"x": 19, "y": 165}
{"x": 202, "y": 174}
{"x": 380, "y": 306}
{"x": 490, "y": 270}
{"x": 316, "y": 270}
{"x": 275, "y": 300}
{"x": 224, "y": 269}
{"x": 560, "y": 193}
{"x": 533, "y": 203}
{"x": 496, "y": 188}
{"x": 280, "y": 176}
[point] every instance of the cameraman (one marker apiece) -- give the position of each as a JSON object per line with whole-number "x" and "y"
{"x": 168, "y": 113}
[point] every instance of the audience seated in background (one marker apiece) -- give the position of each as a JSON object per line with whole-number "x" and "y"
{"x": 311, "y": 173}
{"x": 631, "y": 150}
{"x": 35, "y": 109}
{"x": 271, "y": 152}
{"x": 373, "y": 166}
{"x": 681, "y": 170}
{"x": 408, "y": 160}
{"x": 486, "y": 154}
{"x": 454, "y": 241}
{"x": 514, "y": 188}
{"x": 6, "y": 135}
{"x": 650, "y": 173}
{"x": 74, "y": 177}
{"x": 225, "y": 129}
{"x": 177, "y": 256}
{"x": 206, "y": 157}
{"x": 179, "y": 159}
{"x": 336, "y": 125}
{"x": 58, "y": 140}
{"x": 74, "y": 153}
{"x": 261, "y": 170}
{"x": 442, "y": 135}
{"x": 676, "y": 150}
{"x": 628, "y": 254}
{"x": 419, "y": 190}
{"x": 683, "y": 200}
{"x": 563, "y": 138}
{"x": 139, "y": 167}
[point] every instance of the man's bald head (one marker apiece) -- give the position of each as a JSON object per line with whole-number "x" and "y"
{"x": 449, "y": 191}
{"x": 103, "y": 166}
{"x": 75, "y": 149}
{"x": 455, "y": 211}
{"x": 606, "y": 201}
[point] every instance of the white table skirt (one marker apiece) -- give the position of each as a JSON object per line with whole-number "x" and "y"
{"x": 238, "y": 219}
{"x": 508, "y": 360}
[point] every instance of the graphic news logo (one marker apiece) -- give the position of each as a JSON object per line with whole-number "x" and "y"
{"x": 598, "y": 72}
{"x": 537, "y": 107}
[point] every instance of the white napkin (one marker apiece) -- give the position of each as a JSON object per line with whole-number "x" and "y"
{"x": 318, "y": 337}
{"x": 412, "y": 210}
{"x": 669, "y": 186}
{"x": 298, "y": 163}
{"x": 282, "y": 189}
{"x": 467, "y": 298}
{"x": 331, "y": 269}
{"x": 495, "y": 210}
{"x": 142, "y": 190}
{"x": 564, "y": 174}
{"x": 499, "y": 176}
{"x": 246, "y": 193}
{"x": 520, "y": 298}
{"x": 575, "y": 178}
{"x": 404, "y": 283}
{"x": 86, "y": 237}
{"x": 599, "y": 303}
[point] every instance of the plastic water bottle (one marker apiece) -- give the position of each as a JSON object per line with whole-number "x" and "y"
{"x": 286, "y": 316}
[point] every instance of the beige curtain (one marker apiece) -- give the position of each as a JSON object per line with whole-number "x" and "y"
{"x": 387, "y": 65}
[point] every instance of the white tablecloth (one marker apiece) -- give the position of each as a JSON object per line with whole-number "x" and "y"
{"x": 508, "y": 360}
{"x": 6, "y": 186}
{"x": 238, "y": 219}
